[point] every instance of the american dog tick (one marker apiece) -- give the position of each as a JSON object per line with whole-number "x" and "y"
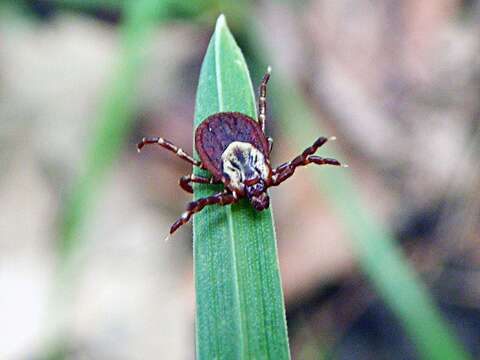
{"x": 233, "y": 147}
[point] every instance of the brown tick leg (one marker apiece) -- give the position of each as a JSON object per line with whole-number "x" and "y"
{"x": 284, "y": 171}
{"x": 262, "y": 100}
{"x": 323, "y": 161}
{"x": 308, "y": 151}
{"x": 288, "y": 171}
{"x": 169, "y": 146}
{"x": 193, "y": 207}
{"x": 187, "y": 180}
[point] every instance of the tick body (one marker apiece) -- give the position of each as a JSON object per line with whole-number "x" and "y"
{"x": 233, "y": 147}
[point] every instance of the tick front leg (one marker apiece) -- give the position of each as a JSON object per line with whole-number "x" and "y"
{"x": 308, "y": 151}
{"x": 284, "y": 171}
{"x": 155, "y": 140}
{"x": 223, "y": 198}
{"x": 262, "y": 100}
{"x": 289, "y": 169}
{"x": 187, "y": 180}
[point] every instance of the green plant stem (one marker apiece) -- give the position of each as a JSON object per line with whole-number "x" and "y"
{"x": 240, "y": 310}
{"x": 114, "y": 121}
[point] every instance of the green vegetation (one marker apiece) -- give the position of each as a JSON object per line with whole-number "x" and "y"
{"x": 114, "y": 121}
{"x": 240, "y": 311}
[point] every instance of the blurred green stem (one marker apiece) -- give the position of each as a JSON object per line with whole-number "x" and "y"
{"x": 110, "y": 130}
{"x": 114, "y": 121}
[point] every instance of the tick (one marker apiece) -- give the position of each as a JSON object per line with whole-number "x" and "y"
{"x": 234, "y": 148}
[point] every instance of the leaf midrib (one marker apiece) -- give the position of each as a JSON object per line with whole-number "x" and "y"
{"x": 228, "y": 209}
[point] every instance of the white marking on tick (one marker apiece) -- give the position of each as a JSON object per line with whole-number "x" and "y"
{"x": 252, "y": 159}
{"x": 161, "y": 141}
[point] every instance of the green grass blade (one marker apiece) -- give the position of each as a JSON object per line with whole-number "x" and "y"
{"x": 240, "y": 310}
{"x": 382, "y": 261}
{"x": 170, "y": 8}
{"x": 112, "y": 126}
{"x": 114, "y": 121}
{"x": 92, "y": 4}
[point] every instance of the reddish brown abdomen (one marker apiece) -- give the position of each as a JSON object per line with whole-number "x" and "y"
{"x": 216, "y": 132}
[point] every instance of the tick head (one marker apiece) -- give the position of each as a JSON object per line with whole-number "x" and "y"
{"x": 257, "y": 195}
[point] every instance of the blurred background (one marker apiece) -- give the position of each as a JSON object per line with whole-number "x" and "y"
{"x": 84, "y": 273}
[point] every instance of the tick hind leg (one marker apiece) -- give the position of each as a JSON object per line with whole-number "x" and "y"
{"x": 262, "y": 100}
{"x": 155, "y": 140}
{"x": 187, "y": 180}
{"x": 223, "y": 198}
{"x": 284, "y": 171}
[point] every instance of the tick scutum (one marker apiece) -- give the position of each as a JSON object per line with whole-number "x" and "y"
{"x": 218, "y": 131}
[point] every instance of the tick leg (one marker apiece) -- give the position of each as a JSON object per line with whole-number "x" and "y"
{"x": 169, "y": 146}
{"x": 308, "y": 151}
{"x": 223, "y": 198}
{"x": 284, "y": 171}
{"x": 187, "y": 180}
{"x": 262, "y": 100}
{"x": 289, "y": 169}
